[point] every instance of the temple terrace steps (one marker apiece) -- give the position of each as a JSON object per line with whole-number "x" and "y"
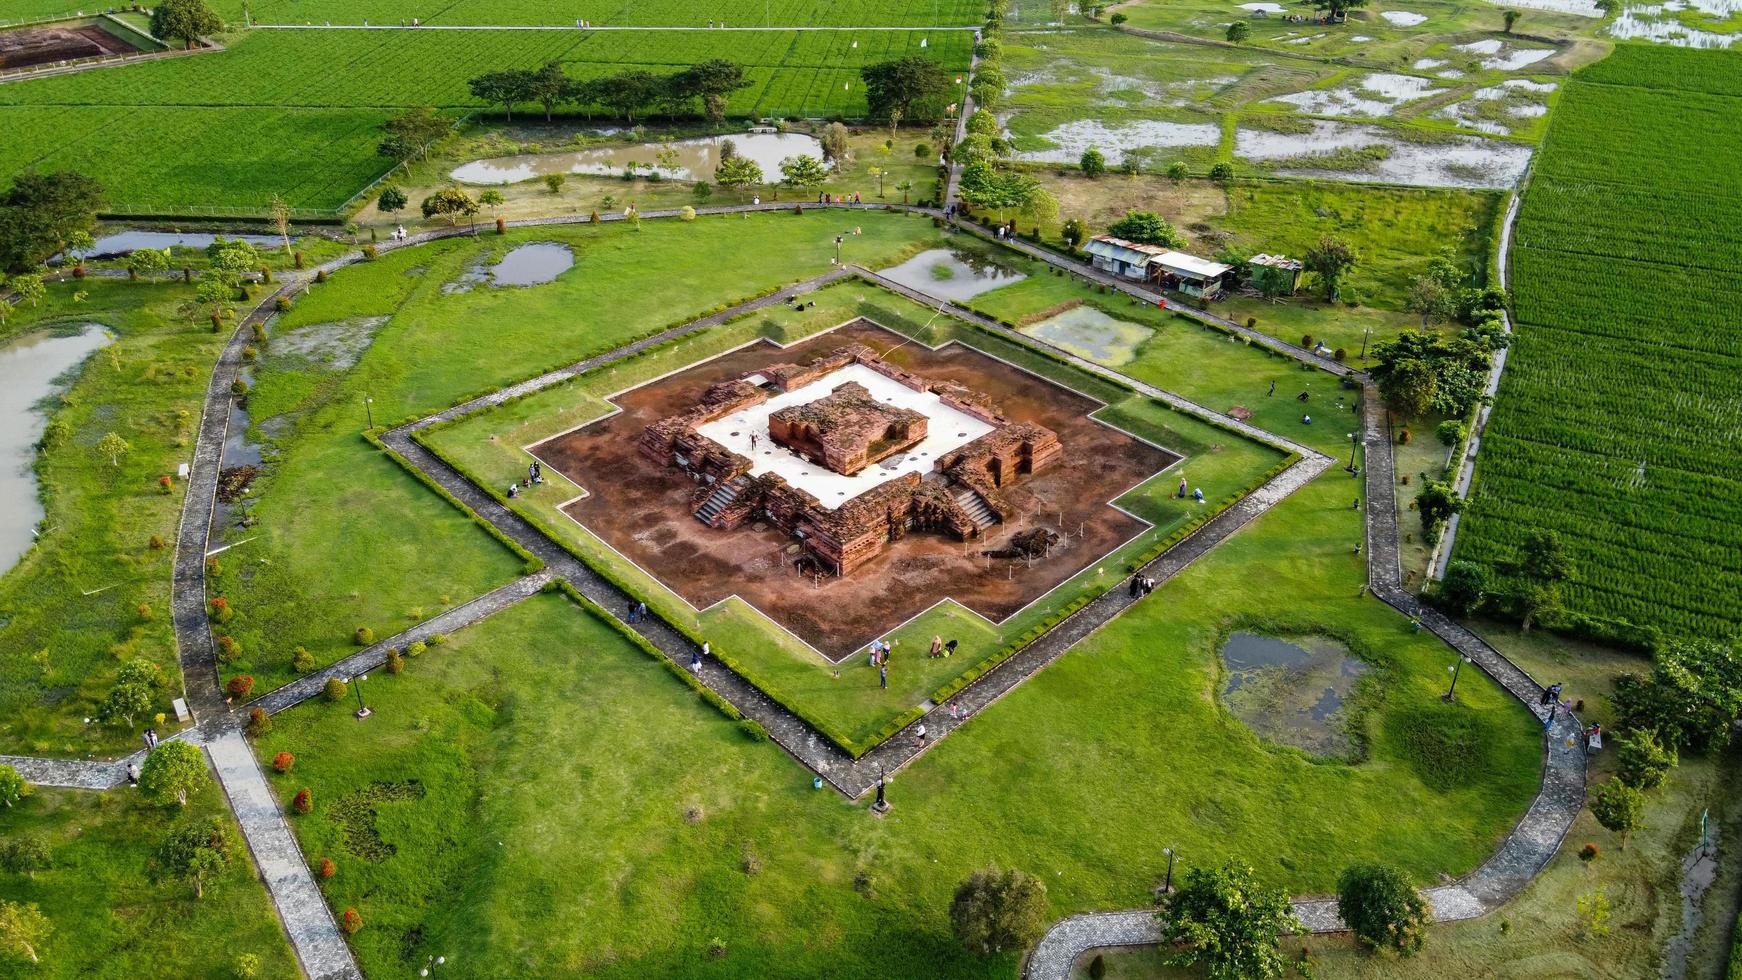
{"x": 722, "y": 497}
{"x": 983, "y": 515}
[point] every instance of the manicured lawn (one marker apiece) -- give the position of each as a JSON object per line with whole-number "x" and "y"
{"x": 342, "y": 536}
{"x": 110, "y": 919}
{"x": 846, "y": 700}
{"x": 601, "y": 817}
{"x": 93, "y": 590}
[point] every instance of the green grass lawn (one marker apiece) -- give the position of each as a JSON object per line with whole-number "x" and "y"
{"x": 94, "y": 591}
{"x": 602, "y": 820}
{"x": 846, "y": 701}
{"x": 344, "y": 537}
{"x": 109, "y": 918}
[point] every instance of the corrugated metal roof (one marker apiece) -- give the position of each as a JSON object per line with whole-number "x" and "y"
{"x": 1191, "y": 265}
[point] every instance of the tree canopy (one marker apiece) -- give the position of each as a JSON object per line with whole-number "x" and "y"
{"x": 713, "y": 82}
{"x": 995, "y": 910}
{"x": 175, "y": 769}
{"x": 1146, "y": 228}
{"x": 195, "y": 851}
{"x": 40, "y": 214}
{"x": 184, "y": 20}
{"x": 1692, "y": 697}
{"x": 1330, "y": 260}
{"x": 895, "y": 87}
{"x": 1381, "y": 906}
{"x": 1225, "y": 921}
{"x": 803, "y": 171}
{"x": 1421, "y": 373}
{"x": 12, "y": 785}
{"x": 738, "y": 173}
{"x": 22, "y": 929}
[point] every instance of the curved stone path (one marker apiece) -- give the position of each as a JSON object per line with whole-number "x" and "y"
{"x": 321, "y": 948}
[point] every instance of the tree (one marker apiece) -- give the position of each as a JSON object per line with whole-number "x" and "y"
{"x": 29, "y": 286}
{"x": 195, "y": 851}
{"x": 114, "y": 447}
{"x": 1238, "y": 32}
{"x": 1222, "y": 173}
{"x": 412, "y": 134}
{"x": 628, "y": 92}
{"x": 41, "y": 213}
{"x": 1060, "y": 10}
{"x": 892, "y": 88}
{"x": 145, "y": 261}
{"x": 1542, "y": 558}
{"x": 392, "y": 200}
{"x": 1692, "y": 697}
{"x": 975, "y": 148}
{"x": 1146, "y": 228}
{"x": 279, "y": 210}
{"x": 232, "y": 257}
{"x": 554, "y": 182}
{"x": 1093, "y": 163}
{"x": 1642, "y": 761}
{"x": 1074, "y": 233}
{"x": 995, "y": 910}
{"x": 133, "y": 695}
{"x": 906, "y": 188}
{"x": 1339, "y": 9}
{"x": 1464, "y": 587}
{"x": 12, "y": 786}
{"x": 713, "y": 82}
{"x": 1511, "y": 18}
{"x": 504, "y": 88}
{"x": 1223, "y": 919}
{"x": 550, "y": 86}
{"x": 985, "y": 186}
{"x": 184, "y": 20}
{"x": 1040, "y": 208}
{"x": 1177, "y": 171}
{"x": 738, "y": 173}
{"x": 173, "y": 769}
{"x": 25, "y": 854}
{"x": 1381, "y": 906}
{"x": 22, "y": 929}
{"x": 1619, "y": 808}
{"x": 449, "y": 201}
{"x": 1430, "y": 299}
{"x": 491, "y": 198}
{"x": 803, "y": 171}
{"x": 215, "y": 293}
{"x": 834, "y": 142}
{"x": 1437, "y": 502}
{"x": 1330, "y": 260}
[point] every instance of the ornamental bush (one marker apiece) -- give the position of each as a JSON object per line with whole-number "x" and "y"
{"x": 304, "y": 801}
{"x": 221, "y": 611}
{"x": 240, "y": 685}
{"x": 328, "y": 868}
{"x": 259, "y": 722}
{"x": 363, "y": 636}
{"x": 415, "y": 648}
{"x": 335, "y": 690}
{"x": 351, "y": 921}
{"x": 395, "y": 662}
{"x": 283, "y": 762}
{"x": 1382, "y": 908}
{"x": 229, "y": 651}
{"x": 302, "y": 661}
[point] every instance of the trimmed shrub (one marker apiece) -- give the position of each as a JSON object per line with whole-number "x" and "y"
{"x": 438, "y": 639}
{"x": 283, "y": 762}
{"x": 501, "y": 225}
{"x": 370, "y": 253}
{"x": 221, "y": 611}
{"x": 302, "y": 661}
{"x": 229, "y": 651}
{"x": 1340, "y": 355}
{"x": 1589, "y": 853}
{"x": 1306, "y": 341}
{"x": 282, "y": 303}
{"x": 320, "y": 275}
{"x": 752, "y": 730}
{"x": 395, "y": 662}
{"x": 1251, "y": 322}
{"x": 351, "y": 921}
{"x": 240, "y": 685}
{"x": 296, "y": 259}
{"x": 328, "y": 868}
{"x": 156, "y": 542}
{"x": 415, "y": 648}
{"x": 363, "y": 636}
{"x": 303, "y": 801}
{"x": 1403, "y": 437}
{"x": 335, "y": 689}
{"x": 259, "y": 722}
{"x": 239, "y": 387}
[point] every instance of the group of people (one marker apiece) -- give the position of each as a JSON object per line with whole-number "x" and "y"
{"x": 397, "y": 234}
{"x": 637, "y": 611}
{"x": 826, "y": 198}
{"x": 1197, "y": 495}
{"x": 1141, "y": 585}
{"x": 941, "y": 649}
{"x": 534, "y": 476}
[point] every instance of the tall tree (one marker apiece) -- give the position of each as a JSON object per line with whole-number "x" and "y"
{"x": 173, "y": 769}
{"x": 627, "y": 93}
{"x": 1225, "y": 921}
{"x": 834, "y": 141}
{"x": 41, "y": 213}
{"x": 1330, "y": 260}
{"x": 1619, "y": 808}
{"x": 1692, "y": 697}
{"x": 1429, "y": 299}
{"x": 133, "y": 694}
{"x": 803, "y": 171}
{"x": 1146, "y": 228}
{"x": 184, "y": 20}
{"x": 1542, "y": 566}
{"x": 738, "y": 173}
{"x": 897, "y": 86}
{"x": 1381, "y": 906}
{"x": 1339, "y": 9}
{"x": 449, "y": 202}
{"x": 550, "y": 86}
{"x": 504, "y": 88}
{"x": 279, "y": 211}
{"x": 713, "y": 82}
{"x": 195, "y": 851}
{"x": 995, "y": 910}
{"x": 412, "y": 134}
{"x": 391, "y": 200}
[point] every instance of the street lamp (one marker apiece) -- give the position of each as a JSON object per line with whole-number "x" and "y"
{"x": 430, "y": 964}
{"x": 369, "y": 407}
{"x": 357, "y": 685}
{"x": 1365, "y": 332}
{"x": 838, "y": 240}
{"x": 1167, "y": 887}
{"x": 1454, "y": 668}
{"x": 882, "y": 805}
{"x": 1352, "y": 443}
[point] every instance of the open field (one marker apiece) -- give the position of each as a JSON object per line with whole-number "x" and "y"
{"x": 110, "y": 918}
{"x": 618, "y": 13}
{"x": 1617, "y": 419}
{"x": 215, "y": 130}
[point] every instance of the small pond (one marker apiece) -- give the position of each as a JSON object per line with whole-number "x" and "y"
{"x": 951, "y": 274}
{"x": 32, "y": 368}
{"x": 1067, "y": 142}
{"x": 696, "y": 158}
{"x": 1292, "y": 691}
{"x": 531, "y": 264}
{"x": 123, "y": 242}
{"x": 1087, "y": 332}
{"x": 1468, "y": 161}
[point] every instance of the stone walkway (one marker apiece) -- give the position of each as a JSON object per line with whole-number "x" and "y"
{"x": 1530, "y": 845}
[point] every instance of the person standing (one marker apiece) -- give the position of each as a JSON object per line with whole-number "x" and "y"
{"x": 132, "y": 774}
{"x": 883, "y": 676}
{"x": 696, "y": 661}
{"x": 919, "y": 736}
{"x": 937, "y": 646}
{"x": 641, "y": 612}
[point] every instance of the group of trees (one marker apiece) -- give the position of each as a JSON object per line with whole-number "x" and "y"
{"x": 184, "y": 20}
{"x": 1533, "y": 581}
{"x": 42, "y": 214}
{"x": 706, "y": 86}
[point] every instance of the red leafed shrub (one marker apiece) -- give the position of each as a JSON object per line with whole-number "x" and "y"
{"x": 1588, "y": 853}
{"x": 240, "y": 685}
{"x": 328, "y": 868}
{"x": 221, "y": 611}
{"x": 259, "y": 722}
{"x": 304, "y": 802}
{"x": 283, "y": 761}
{"x": 351, "y": 921}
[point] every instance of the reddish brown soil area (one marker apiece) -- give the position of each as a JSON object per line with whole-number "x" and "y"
{"x": 29, "y": 46}
{"x": 642, "y": 510}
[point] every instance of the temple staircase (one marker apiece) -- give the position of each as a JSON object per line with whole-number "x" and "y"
{"x": 978, "y": 510}
{"x": 725, "y": 493}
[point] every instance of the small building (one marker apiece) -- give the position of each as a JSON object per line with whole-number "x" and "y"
{"x": 1189, "y": 274}
{"x": 1276, "y": 275}
{"x": 1128, "y": 260}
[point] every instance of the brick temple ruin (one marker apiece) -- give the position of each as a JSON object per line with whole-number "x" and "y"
{"x": 849, "y": 454}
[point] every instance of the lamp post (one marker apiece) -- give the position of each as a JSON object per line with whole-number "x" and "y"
{"x": 1454, "y": 668}
{"x": 369, "y": 407}
{"x": 430, "y": 964}
{"x": 1352, "y": 444}
{"x": 838, "y": 240}
{"x": 882, "y": 805}
{"x": 1167, "y": 886}
{"x": 1365, "y": 332}
{"x": 357, "y": 685}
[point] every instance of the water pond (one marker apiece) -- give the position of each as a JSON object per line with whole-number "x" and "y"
{"x": 123, "y": 242}
{"x": 1292, "y": 691}
{"x": 531, "y": 264}
{"x": 951, "y": 274}
{"x": 696, "y": 159}
{"x": 1087, "y": 332}
{"x": 32, "y": 368}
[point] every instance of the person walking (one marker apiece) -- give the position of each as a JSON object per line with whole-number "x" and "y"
{"x": 919, "y": 736}
{"x": 641, "y": 612}
{"x": 132, "y": 774}
{"x": 1272, "y": 390}
{"x": 696, "y": 661}
{"x": 883, "y": 676}
{"x": 631, "y": 610}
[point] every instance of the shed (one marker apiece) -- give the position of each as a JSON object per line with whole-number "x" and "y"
{"x": 1190, "y": 275}
{"x": 1128, "y": 260}
{"x": 1279, "y": 272}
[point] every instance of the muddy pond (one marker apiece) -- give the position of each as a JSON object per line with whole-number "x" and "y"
{"x": 951, "y": 274}
{"x": 696, "y": 159}
{"x": 1089, "y": 333}
{"x": 32, "y": 368}
{"x": 531, "y": 264}
{"x": 1292, "y": 691}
